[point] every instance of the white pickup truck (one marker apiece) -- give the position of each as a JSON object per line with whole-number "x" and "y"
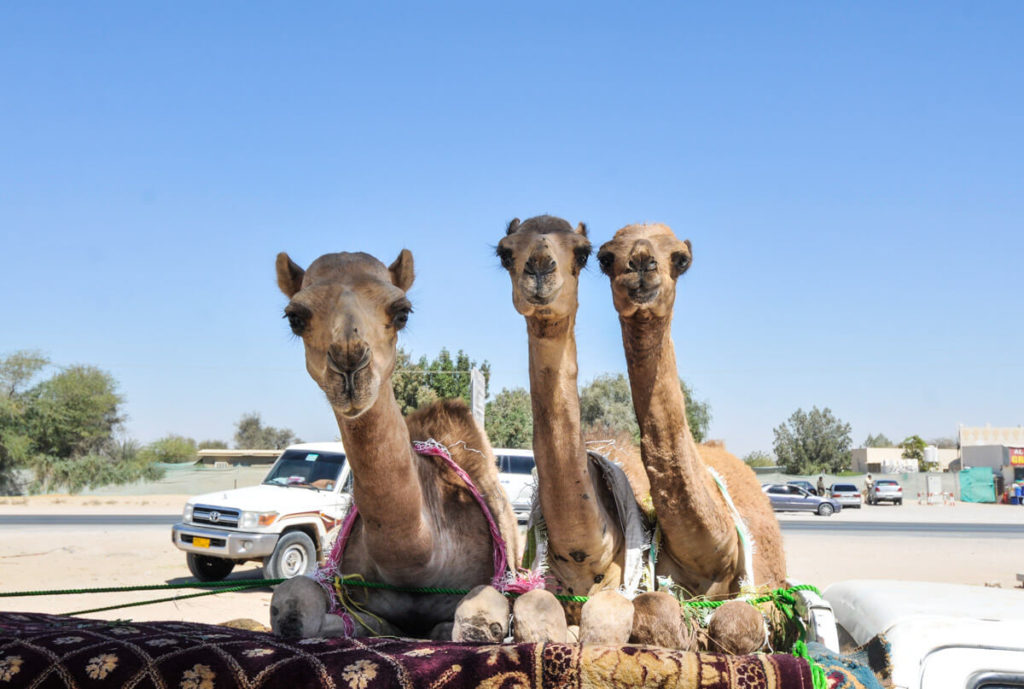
{"x": 287, "y": 522}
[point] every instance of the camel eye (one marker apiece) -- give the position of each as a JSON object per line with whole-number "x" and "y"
{"x": 298, "y": 318}
{"x": 581, "y": 254}
{"x": 400, "y": 314}
{"x": 680, "y": 262}
{"x": 606, "y": 259}
{"x": 505, "y": 256}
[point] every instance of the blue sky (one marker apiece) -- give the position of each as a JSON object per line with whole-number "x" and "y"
{"x": 850, "y": 175}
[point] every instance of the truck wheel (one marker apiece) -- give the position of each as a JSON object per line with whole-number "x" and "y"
{"x": 295, "y": 554}
{"x": 825, "y": 509}
{"x": 206, "y": 568}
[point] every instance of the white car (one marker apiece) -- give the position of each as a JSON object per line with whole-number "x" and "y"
{"x": 940, "y": 635}
{"x": 517, "y": 477}
{"x": 285, "y": 522}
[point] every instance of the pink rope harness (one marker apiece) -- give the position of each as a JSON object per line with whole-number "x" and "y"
{"x": 504, "y": 578}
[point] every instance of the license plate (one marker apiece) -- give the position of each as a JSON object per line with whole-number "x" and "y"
{"x": 201, "y": 542}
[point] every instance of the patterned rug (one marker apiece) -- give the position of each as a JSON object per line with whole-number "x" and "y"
{"x": 44, "y": 651}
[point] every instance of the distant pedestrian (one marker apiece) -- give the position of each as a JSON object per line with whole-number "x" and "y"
{"x": 821, "y": 486}
{"x": 869, "y": 483}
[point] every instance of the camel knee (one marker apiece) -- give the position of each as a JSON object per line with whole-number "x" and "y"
{"x": 607, "y": 618}
{"x": 481, "y": 617}
{"x": 658, "y": 621}
{"x": 538, "y": 617}
{"x": 297, "y": 608}
{"x": 737, "y": 627}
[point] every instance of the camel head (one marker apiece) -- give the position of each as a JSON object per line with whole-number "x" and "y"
{"x": 544, "y": 257}
{"x": 348, "y": 309}
{"x": 643, "y": 262}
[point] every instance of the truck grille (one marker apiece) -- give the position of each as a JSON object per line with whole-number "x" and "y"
{"x": 216, "y": 516}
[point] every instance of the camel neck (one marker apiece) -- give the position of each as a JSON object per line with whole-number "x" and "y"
{"x": 386, "y": 484}
{"x": 679, "y": 478}
{"x": 566, "y": 495}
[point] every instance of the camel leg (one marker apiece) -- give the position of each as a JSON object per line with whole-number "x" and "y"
{"x": 737, "y": 628}
{"x": 539, "y": 617}
{"x": 298, "y": 610}
{"x": 481, "y": 617}
{"x": 607, "y": 618}
{"x": 658, "y": 621}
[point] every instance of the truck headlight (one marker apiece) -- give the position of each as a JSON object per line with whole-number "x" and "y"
{"x": 251, "y": 520}
{"x": 187, "y": 515}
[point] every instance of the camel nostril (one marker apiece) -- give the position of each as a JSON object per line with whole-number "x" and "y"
{"x": 348, "y": 360}
{"x": 539, "y": 266}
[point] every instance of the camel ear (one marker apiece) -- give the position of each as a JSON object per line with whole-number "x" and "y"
{"x": 682, "y": 260}
{"x": 289, "y": 275}
{"x": 581, "y": 229}
{"x": 402, "y": 273}
{"x": 512, "y": 226}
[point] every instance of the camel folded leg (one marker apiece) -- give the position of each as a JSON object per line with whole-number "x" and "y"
{"x": 298, "y": 610}
{"x": 481, "y": 616}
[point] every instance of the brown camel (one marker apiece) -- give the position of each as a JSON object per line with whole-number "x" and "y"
{"x": 418, "y": 523}
{"x": 586, "y": 542}
{"x": 703, "y": 551}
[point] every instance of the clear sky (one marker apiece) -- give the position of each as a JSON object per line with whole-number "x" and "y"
{"x": 851, "y": 176}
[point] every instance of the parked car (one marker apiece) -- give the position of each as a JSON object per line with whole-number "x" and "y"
{"x": 847, "y": 494}
{"x": 285, "y": 523}
{"x": 786, "y": 497}
{"x": 806, "y": 485}
{"x": 886, "y": 490}
{"x": 516, "y": 475}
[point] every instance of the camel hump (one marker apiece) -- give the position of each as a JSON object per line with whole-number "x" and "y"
{"x": 451, "y": 423}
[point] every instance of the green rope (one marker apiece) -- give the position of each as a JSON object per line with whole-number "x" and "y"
{"x": 817, "y": 672}
{"x": 244, "y": 583}
{"x": 158, "y": 600}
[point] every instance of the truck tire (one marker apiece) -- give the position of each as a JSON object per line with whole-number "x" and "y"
{"x": 295, "y": 554}
{"x": 206, "y": 568}
{"x": 825, "y": 509}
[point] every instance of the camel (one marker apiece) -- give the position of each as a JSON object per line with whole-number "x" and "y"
{"x": 586, "y": 543}
{"x": 418, "y": 525}
{"x": 703, "y": 550}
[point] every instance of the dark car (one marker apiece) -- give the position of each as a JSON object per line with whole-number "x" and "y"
{"x": 806, "y": 485}
{"x": 786, "y": 497}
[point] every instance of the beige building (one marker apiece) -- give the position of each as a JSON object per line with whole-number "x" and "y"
{"x": 889, "y": 460}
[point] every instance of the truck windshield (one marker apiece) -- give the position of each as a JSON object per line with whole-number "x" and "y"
{"x": 308, "y": 469}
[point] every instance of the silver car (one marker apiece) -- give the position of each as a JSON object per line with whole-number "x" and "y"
{"x": 517, "y": 477}
{"x": 847, "y": 494}
{"x": 885, "y": 490}
{"x": 788, "y": 498}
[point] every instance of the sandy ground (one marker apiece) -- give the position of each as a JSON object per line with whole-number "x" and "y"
{"x": 64, "y": 557}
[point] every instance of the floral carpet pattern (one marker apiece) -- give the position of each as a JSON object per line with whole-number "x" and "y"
{"x": 40, "y": 651}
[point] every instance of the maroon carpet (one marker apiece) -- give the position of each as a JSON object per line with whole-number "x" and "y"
{"x": 45, "y": 651}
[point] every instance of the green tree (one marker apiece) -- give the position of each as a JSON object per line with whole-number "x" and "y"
{"x": 913, "y": 448}
{"x": 16, "y": 448}
{"x": 212, "y": 445}
{"x": 813, "y": 442}
{"x": 878, "y": 441}
{"x": 251, "y": 434}
{"x": 419, "y": 383}
{"x": 509, "y": 419}
{"x": 73, "y": 413}
{"x": 171, "y": 449}
{"x": 607, "y": 402}
{"x": 66, "y": 430}
{"x": 759, "y": 458}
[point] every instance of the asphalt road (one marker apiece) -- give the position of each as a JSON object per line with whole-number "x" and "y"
{"x": 809, "y": 525}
